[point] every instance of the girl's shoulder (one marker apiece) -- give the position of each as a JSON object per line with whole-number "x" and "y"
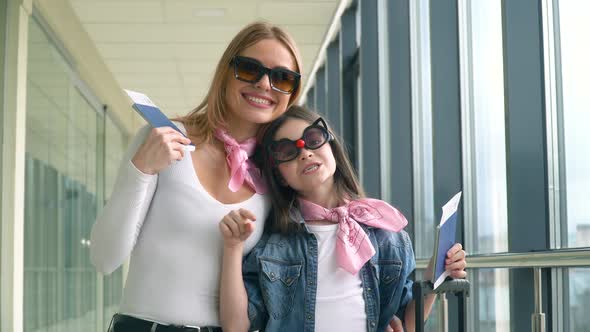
{"x": 388, "y": 238}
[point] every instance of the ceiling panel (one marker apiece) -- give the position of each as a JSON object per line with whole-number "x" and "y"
{"x": 315, "y": 13}
{"x": 119, "y": 12}
{"x": 210, "y": 12}
{"x": 121, "y": 66}
{"x": 165, "y": 51}
{"x": 168, "y": 49}
{"x": 161, "y": 33}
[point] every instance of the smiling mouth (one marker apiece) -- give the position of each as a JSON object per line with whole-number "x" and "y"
{"x": 258, "y": 101}
{"x": 311, "y": 168}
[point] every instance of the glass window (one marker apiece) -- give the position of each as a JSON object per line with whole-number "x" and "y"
{"x": 575, "y": 70}
{"x": 424, "y": 213}
{"x": 487, "y": 165}
{"x": 115, "y": 147}
{"x": 2, "y": 52}
{"x": 491, "y": 299}
{"x": 61, "y": 183}
{"x": 578, "y": 299}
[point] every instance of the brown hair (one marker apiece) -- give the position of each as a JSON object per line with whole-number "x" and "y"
{"x": 210, "y": 113}
{"x": 284, "y": 197}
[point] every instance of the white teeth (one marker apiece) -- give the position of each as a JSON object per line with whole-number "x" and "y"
{"x": 311, "y": 168}
{"x": 258, "y": 100}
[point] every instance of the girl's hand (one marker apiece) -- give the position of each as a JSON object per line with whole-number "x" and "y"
{"x": 455, "y": 262}
{"x": 236, "y": 227}
{"x": 163, "y": 146}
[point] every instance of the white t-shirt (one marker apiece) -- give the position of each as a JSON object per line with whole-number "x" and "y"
{"x": 340, "y": 305}
{"x": 168, "y": 223}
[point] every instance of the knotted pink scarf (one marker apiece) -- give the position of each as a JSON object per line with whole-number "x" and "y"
{"x": 241, "y": 168}
{"x": 353, "y": 247}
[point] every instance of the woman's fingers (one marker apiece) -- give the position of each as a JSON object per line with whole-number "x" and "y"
{"x": 395, "y": 325}
{"x": 176, "y": 151}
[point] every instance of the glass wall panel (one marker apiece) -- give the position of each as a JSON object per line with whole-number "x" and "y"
{"x": 60, "y": 292}
{"x": 490, "y": 300}
{"x": 2, "y": 52}
{"x": 424, "y": 213}
{"x": 575, "y": 70}
{"x": 579, "y": 299}
{"x": 490, "y": 226}
{"x": 115, "y": 146}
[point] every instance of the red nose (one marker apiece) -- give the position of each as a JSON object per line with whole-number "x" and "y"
{"x": 300, "y": 143}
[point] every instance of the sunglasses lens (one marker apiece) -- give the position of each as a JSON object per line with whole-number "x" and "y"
{"x": 284, "y": 80}
{"x": 285, "y": 151}
{"x": 315, "y": 138}
{"x": 248, "y": 70}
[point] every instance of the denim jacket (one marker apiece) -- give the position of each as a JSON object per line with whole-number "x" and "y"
{"x": 280, "y": 276}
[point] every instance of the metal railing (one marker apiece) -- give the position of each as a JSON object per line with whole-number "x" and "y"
{"x": 540, "y": 259}
{"x": 557, "y": 258}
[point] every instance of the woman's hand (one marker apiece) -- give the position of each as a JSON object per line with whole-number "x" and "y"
{"x": 395, "y": 325}
{"x": 163, "y": 146}
{"x": 236, "y": 227}
{"x": 455, "y": 262}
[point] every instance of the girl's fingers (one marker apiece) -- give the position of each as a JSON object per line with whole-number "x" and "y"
{"x": 458, "y": 274}
{"x": 241, "y": 224}
{"x": 459, "y": 265}
{"x": 455, "y": 262}
{"x": 249, "y": 227}
{"x": 456, "y": 257}
{"x": 233, "y": 225}
{"x": 225, "y": 230}
{"x": 246, "y": 214}
{"x": 454, "y": 249}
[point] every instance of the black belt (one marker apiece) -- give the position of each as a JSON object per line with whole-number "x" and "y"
{"x": 124, "y": 323}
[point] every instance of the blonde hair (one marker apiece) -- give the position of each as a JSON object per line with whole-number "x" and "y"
{"x": 210, "y": 113}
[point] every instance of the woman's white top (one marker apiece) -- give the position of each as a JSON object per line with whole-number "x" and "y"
{"x": 339, "y": 304}
{"x": 168, "y": 224}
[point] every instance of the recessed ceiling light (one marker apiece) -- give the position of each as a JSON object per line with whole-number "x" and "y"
{"x": 209, "y": 12}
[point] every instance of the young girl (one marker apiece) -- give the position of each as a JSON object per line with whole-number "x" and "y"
{"x": 330, "y": 259}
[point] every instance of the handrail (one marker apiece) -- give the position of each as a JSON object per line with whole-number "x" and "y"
{"x": 573, "y": 257}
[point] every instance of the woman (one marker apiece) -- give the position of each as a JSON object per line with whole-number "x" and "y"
{"x": 166, "y": 203}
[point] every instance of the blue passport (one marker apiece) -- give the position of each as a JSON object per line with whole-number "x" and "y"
{"x": 445, "y": 239}
{"x": 152, "y": 114}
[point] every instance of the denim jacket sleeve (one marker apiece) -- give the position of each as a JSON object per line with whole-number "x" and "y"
{"x": 397, "y": 264}
{"x": 408, "y": 268}
{"x": 257, "y": 312}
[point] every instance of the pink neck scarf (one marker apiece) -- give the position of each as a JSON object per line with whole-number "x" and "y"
{"x": 353, "y": 247}
{"x": 241, "y": 168}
